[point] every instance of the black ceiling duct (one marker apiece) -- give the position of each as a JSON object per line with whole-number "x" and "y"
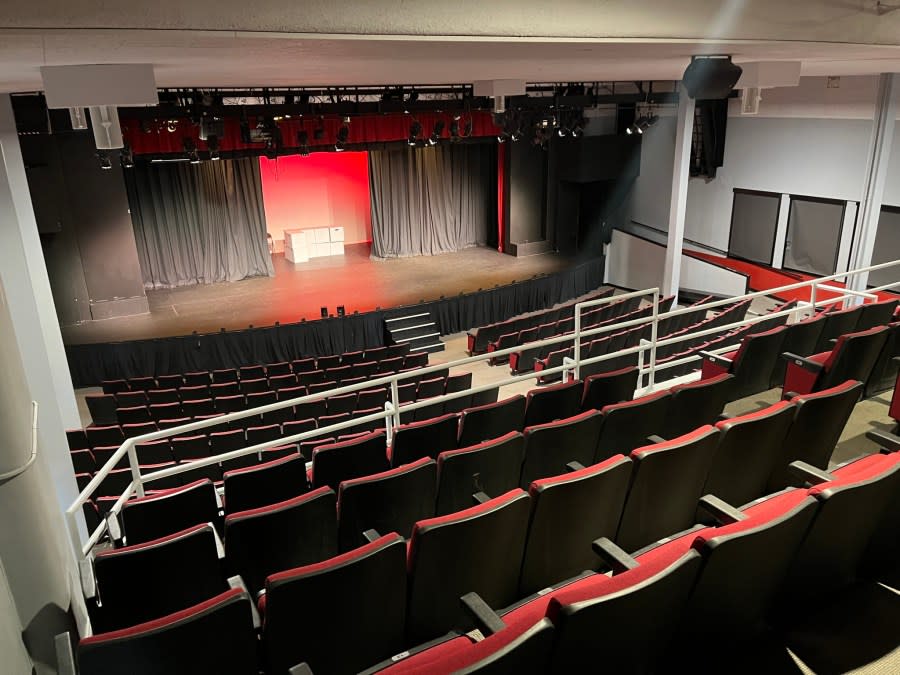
{"x": 711, "y": 77}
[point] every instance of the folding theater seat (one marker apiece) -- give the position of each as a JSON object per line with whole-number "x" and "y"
{"x": 751, "y": 364}
{"x": 330, "y": 361}
{"x": 427, "y": 438}
{"x": 263, "y": 434}
{"x": 431, "y": 387}
{"x": 666, "y": 487}
{"x": 274, "y": 538}
{"x": 104, "y": 436}
{"x": 551, "y": 448}
{"x": 264, "y": 484}
{"x": 504, "y": 341}
{"x": 485, "y": 397}
{"x": 417, "y": 360}
{"x": 308, "y": 377}
{"x": 285, "y": 368}
{"x": 157, "y": 396}
{"x": 223, "y": 375}
{"x": 390, "y": 365}
{"x": 375, "y": 354}
{"x": 492, "y": 467}
{"x": 628, "y": 425}
{"x": 229, "y": 404}
{"x": 162, "y": 513}
{"x": 141, "y": 383}
{"x": 114, "y": 386}
{"x": 321, "y": 387}
{"x": 165, "y": 382}
{"x": 608, "y": 388}
{"x": 551, "y": 403}
{"x": 338, "y": 373}
{"x": 83, "y": 461}
{"x": 130, "y": 399}
{"x": 876, "y": 314}
{"x": 345, "y": 403}
{"x": 884, "y": 372}
{"x": 476, "y": 550}
{"x": 189, "y": 448}
{"x": 223, "y": 389}
{"x": 329, "y": 420}
{"x": 352, "y": 358}
{"x": 852, "y": 358}
{"x": 139, "y": 429}
{"x": 800, "y": 338}
{"x": 365, "y": 369}
{"x": 248, "y": 386}
{"x": 697, "y": 403}
{"x": 133, "y": 415}
{"x": 837, "y": 323}
{"x": 146, "y": 581}
{"x": 197, "y": 379}
{"x": 77, "y": 439}
{"x": 336, "y": 462}
{"x": 154, "y": 452}
{"x": 486, "y": 422}
{"x": 391, "y": 501}
{"x": 294, "y": 427}
{"x": 194, "y": 392}
{"x": 397, "y": 350}
{"x": 198, "y": 407}
{"x": 818, "y": 421}
{"x": 568, "y": 513}
{"x": 372, "y": 398}
{"x": 406, "y": 393}
{"x": 165, "y": 411}
{"x": 356, "y": 622}
{"x": 214, "y": 636}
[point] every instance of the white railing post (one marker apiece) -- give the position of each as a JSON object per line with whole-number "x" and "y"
{"x": 577, "y": 352}
{"x": 395, "y": 401}
{"x": 135, "y": 469}
{"x": 654, "y": 335}
{"x": 640, "y": 355}
{"x": 812, "y": 296}
{"x": 388, "y": 423}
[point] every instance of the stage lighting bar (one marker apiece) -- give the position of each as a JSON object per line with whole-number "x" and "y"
{"x": 415, "y": 130}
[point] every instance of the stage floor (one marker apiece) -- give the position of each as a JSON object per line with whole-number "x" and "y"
{"x": 355, "y": 280}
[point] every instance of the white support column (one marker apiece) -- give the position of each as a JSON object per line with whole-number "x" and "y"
{"x": 684, "y": 133}
{"x": 784, "y": 212}
{"x": 876, "y": 174}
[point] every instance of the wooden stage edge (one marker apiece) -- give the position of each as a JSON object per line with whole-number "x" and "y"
{"x": 354, "y": 280}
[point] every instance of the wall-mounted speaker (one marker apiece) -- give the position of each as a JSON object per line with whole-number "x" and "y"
{"x": 709, "y": 77}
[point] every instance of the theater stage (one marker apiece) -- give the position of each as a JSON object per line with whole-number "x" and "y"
{"x": 295, "y": 292}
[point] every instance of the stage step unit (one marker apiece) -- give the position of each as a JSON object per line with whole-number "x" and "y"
{"x": 417, "y": 329}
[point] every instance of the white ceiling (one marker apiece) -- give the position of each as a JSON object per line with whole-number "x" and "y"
{"x": 334, "y": 42}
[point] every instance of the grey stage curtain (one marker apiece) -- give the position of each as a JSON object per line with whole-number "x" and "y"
{"x": 433, "y": 200}
{"x": 199, "y": 223}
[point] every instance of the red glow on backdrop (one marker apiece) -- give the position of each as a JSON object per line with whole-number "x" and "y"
{"x": 326, "y": 189}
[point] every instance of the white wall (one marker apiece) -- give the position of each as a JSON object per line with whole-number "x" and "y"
{"x": 653, "y": 187}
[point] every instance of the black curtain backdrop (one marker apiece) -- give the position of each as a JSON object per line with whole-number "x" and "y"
{"x": 198, "y": 223}
{"x": 90, "y": 364}
{"x": 432, "y": 200}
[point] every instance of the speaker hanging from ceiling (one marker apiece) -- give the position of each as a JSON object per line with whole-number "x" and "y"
{"x": 710, "y": 77}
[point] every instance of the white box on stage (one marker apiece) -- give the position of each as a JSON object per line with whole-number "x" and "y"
{"x": 337, "y": 248}
{"x": 337, "y": 234}
{"x": 296, "y": 248}
{"x": 321, "y": 235}
{"x": 320, "y": 249}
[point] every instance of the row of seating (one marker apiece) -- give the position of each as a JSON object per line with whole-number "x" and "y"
{"x": 714, "y": 584}
{"x": 121, "y": 407}
{"x": 256, "y": 371}
{"x": 480, "y": 337}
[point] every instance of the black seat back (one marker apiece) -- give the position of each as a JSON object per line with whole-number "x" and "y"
{"x": 335, "y": 462}
{"x": 568, "y": 512}
{"x": 299, "y": 531}
{"x": 391, "y": 501}
{"x": 626, "y": 426}
{"x": 876, "y": 314}
{"x": 169, "y": 511}
{"x": 837, "y": 323}
{"x": 264, "y": 484}
{"x": 608, "y": 388}
{"x": 555, "y": 402}
{"x": 853, "y": 357}
{"x": 486, "y": 422}
{"x": 492, "y": 467}
{"x": 755, "y": 360}
{"x": 427, "y": 438}
{"x": 550, "y": 447}
{"x": 801, "y": 339}
{"x": 695, "y": 404}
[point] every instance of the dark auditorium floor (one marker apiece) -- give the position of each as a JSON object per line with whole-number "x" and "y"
{"x": 354, "y": 280}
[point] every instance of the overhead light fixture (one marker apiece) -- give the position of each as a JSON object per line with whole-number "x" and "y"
{"x": 319, "y": 131}
{"x": 502, "y": 137}
{"x": 436, "y": 132}
{"x": 126, "y": 157}
{"x": 303, "y": 143}
{"x": 342, "y": 135}
{"x": 454, "y": 130}
{"x": 415, "y": 130}
{"x": 105, "y": 161}
{"x": 212, "y": 142}
{"x": 190, "y": 149}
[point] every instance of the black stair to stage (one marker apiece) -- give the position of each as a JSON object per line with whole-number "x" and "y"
{"x": 415, "y": 328}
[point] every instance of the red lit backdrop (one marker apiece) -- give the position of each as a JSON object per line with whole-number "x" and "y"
{"x": 325, "y": 189}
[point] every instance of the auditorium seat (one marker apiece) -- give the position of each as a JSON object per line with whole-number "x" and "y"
{"x": 344, "y": 403}
{"x": 415, "y": 360}
{"x": 375, "y": 354}
{"x": 279, "y": 368}
{"x": 427, "y": 438}
{"x": 338, "y": 373}
{"x": 130, "y": 399}
{"x": 102, "y": 408}
{"x": 165, "y": 411}
{"x": 141, "y": 383}
{"x": 875, "y": 314}
{"x": 194, "y": 392}
{"x": 406, "y": 393}
{"x": 458, "y": 382}
{"x": 485, "y": 422}
{"x": 215, "y": 636}
{"x": 264, "y": 484}
{"x": 197, "y": 379}
{"x": 852, "y": 358}
{"x": 157, "y": 396}
{"x": 365, "y": 369}
{"x": 351, "y": 358}
{"x": 390, "y": 501}
{"x": 321, "y": 387}
{"x": 628, "y": 425}
{"x": 697, "y": 403}
{"x": 818, "y": 421}
{"x": 485, "y": 397}
{"x": 164, "y": 382}
{"x": 749, "y": 449}
{"x": 666, "y": 487}
{"x": 330, "y": 361}
{"x": 263, "y": 434}
{"x": 255, "y": 372}
{"x": 551, "y": 403}
{"x": 229, "y": 404}
{"x": 310, "y": 410}
{"x": 223, "y": 375}
{"x": 308, "y": 377}
{"x": 133, "y": 414}
{"x": 278, "y": 537}
{"x": 492, "y": 467}
{"x": 77, "y": 439}
{"x": 328, "y": 420}
{"x": 83, "y": 461}
{"x": 138, "y": 429}
{"x": 336, "y": 462}
{"x": 372, "y": 398}
{"x": 149, "y": 580}
{"x": 357, "y": 612}
{"x": 294, "y": 427}
{"x": 431, "y": 387}
{"x": 751, "y": 364}
{"x": 224, "y": 389}
{"x": 549, "y": 448}
{"x": 300, "y": 366}
{"x": 162, "y": 513}
{"x": 837, "y": 323}
{"x": 426, "y": 412}
{"x": 884, "y": 372}
{"x": 800, "y": 338}
{"x": 253, "y": 386}
{"x": 608, "y": 388}
{"x": 389, "y": 365}
{"x": 477, "y": 550}
{"x": 114, "y": 386}
{"x": 568, "y": 513}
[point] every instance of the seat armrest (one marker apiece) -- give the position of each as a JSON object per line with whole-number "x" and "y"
{"x": 885, "y": 439}
{"x": 574, "y": 466}
{"x": 802, "y": 362}
{"x": 716, "y": 358}
{"x": 653, "y": 438}
{"x": 237, "y": 582}
{"x": 809, "y": 473}
{"x": 301, "y": 669}
{"x": 371, "y": 535}
{"x": 617, "y": 559}
{"x": 723, "y": 512}
{"x": 724, "y": 417}
{"x": 480, "y": 497}
{"x": 486, "y": 619}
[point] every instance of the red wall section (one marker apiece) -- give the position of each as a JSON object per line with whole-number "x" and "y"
{"x": 326, "y": 189}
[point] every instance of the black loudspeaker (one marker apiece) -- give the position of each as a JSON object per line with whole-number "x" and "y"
{"x": 711, "y": 77}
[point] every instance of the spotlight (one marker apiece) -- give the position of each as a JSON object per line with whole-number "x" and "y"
{"x": 340, "y": 310}
{"x": 503, "y": 137}
{"x": 323, "y": 312}
{"x": 415, "y": 130}
{"x": 172, "y": 125}
{"x": 454, "y": 130}
{"x": 319, "y": 131}
{"x": 437, "y": 132}
{"x": 212, "y": 142}
{"x": 105, "y": 161}
{"x": 126, "y": 157}
{"x": 577, "y": 130}
{"x": 303, "y": 143}
{"x": 190, "y": 149}
{"x": 342, "y": 135}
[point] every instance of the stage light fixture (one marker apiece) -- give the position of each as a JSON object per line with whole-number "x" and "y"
{"x": 303, "y": 143}
{"x": 126, "y": 157}
{"x": 212, "y": 142}
{"x": 437, "y": 132}
{"x": 340, "y": 310}
{"x": 190, "y": 149}
{"x": 105, "y": 161}
{"x": 323, "y": 312}
{"x": 454, "y": 130}
{"x": 502, "y": 137}
{"x": 415, "y": 130}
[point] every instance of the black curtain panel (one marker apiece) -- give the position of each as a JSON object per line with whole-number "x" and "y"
{"x": 427, "y": 201}
{"x": 90, "y": 364}
{"x": 199, "y": 223}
